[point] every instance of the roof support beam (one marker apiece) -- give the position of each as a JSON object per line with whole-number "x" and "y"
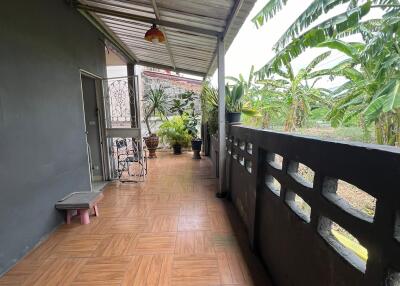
{"x": 221, "y": 118}
{"x": 157, "y": 12}
{"x": 178, "y": 70}
{"x": 109, "y": 35}
{"x": 143, "y": 19}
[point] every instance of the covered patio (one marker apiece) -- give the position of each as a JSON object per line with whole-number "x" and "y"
{"x": 282, "y": 201}
{"x": 169, "y": 230}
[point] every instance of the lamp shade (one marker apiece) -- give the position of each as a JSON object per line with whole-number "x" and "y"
{"x": 154, "y": 35}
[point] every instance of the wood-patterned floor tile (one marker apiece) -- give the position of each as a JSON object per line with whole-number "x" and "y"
{"x": 191, "y": 223}
{"x": 58, "y": 271}
{"x": 195, "y": 270}
{"x": 193, "y": 208}
{"x": 194, "y": 242}
{"x": 152, "y": 243}
{"x": 103, "y": 269}
{"x": 122, "y": 225}
{"x": 162, "y": 223}
{"x": 167, "y": 231}
{"x": 232, "y": 268}
{"x": 114, "y": 245}
{"x": 77, "y": 246}
{"x": 149, "y": 270}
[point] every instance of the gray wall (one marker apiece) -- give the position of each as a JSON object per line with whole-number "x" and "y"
{"x": 43, "y": 157}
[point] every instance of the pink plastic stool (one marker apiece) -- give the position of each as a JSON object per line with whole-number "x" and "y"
{"x": 83, "y": 213}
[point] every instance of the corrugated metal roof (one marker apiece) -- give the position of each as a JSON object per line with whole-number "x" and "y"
{"x": 191, "y": 28}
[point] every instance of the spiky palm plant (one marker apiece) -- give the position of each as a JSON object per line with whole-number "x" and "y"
{"x": 155, "y": 100}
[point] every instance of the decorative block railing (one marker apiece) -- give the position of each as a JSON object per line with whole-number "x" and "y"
{"x": 317, "y": 212}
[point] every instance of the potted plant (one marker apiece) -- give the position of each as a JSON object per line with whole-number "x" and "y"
{"x": 185, "y": 107}
{"x": 191, "y": 121}
{"x": 234, "y": 103}
{"x": 175, "y": 133}
{"x": 155, "y": 101}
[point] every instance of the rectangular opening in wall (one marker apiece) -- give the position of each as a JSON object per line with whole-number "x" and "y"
{"x": 242, "y": 145}
{"x": 249, "y": 148}
{"x": 273, "y": 185}
{"x": 298, "y": 205}
{"x": 241, "y": 160}
{"x": 275, "y": 160}
{"x": 350, "y": 198}
{"x": 397, "y": 227}
{"x": 344, "y": 243}
{"x": 301, "y": 173}
{"x": 393, "y": 278}
{"x": 248, "y": 165}
{"x": 234, "y": 154}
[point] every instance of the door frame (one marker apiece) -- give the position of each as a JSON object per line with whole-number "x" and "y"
{"x": 101, "y": 123}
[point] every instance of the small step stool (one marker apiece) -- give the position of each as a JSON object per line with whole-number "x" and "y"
{"x": 82, "y": 203}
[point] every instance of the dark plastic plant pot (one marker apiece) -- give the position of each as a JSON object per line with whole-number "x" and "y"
{"x": 177, "y": 149}
{"x": 233, "y": 117}
{"x": 196, "y": 147}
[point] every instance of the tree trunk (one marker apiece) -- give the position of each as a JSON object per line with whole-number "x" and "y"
{"x": 147, "y": 119}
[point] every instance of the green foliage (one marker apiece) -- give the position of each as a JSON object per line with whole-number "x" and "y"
{"x": 184, "y": 106}
{"x": 371, "y": 94}
{"x": 373, "y": 90}
{"x": 297, "y": 92}
{"x": 234, "y": 99}
{"x": 322, "y": 32}
{"x": 174, "y": 131}
{"x": 209, "y": 107}
{"x": 154, "y": 101}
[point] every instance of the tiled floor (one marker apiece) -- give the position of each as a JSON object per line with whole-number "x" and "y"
{"x": 170, "y": 230}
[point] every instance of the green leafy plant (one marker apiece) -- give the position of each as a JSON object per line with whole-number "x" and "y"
{"x": 209, "y": 107}
{"x": 155, "y": 101}
{"x": 174, "y": 131}
{"x": 234, "y": 99}
{"x": 184, "y": 105}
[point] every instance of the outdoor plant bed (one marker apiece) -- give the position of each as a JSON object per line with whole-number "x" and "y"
{"x": 196, "y": 147}
{"x": 152, "y": 143}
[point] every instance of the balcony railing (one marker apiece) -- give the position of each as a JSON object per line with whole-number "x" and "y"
{"x": 317, "y": 212}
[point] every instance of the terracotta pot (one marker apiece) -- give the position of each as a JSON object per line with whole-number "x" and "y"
{"x": 152, "y": 144}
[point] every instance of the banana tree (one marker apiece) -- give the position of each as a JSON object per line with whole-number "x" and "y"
{"x": 372, "y": 91}
{"x": 299, "y": 36}
{"x": 298, "y": 92}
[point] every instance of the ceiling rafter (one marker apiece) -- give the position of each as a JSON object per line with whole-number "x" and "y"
{"x": 149, "y": 20}
{"x": 167, "y": 45}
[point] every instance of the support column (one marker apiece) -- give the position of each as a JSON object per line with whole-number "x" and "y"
{"x": 221, "y": 116}
{"x": 132, "y": 94}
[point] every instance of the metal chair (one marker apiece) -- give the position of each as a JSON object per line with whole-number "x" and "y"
{"x": 131, "y": 159}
